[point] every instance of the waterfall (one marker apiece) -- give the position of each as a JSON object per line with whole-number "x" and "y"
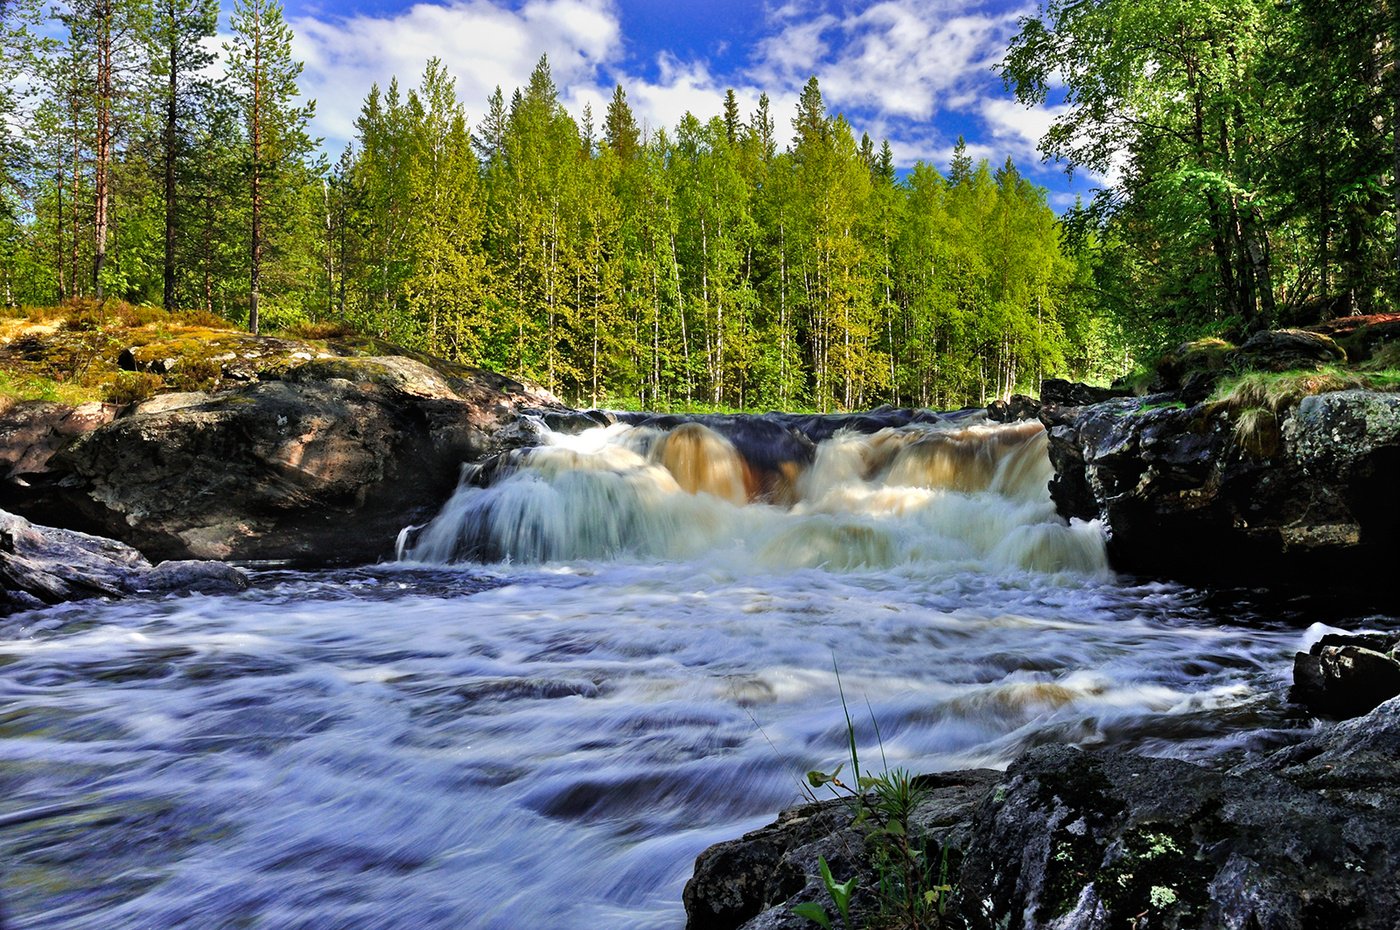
{"x": 758, "y": 494}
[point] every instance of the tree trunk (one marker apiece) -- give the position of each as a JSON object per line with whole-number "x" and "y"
{"x": 255, "y": 134}
{"x": 102, "y": 155}
{"x": 172, "y": 111}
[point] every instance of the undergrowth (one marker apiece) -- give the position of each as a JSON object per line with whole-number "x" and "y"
{"x": 912, "y": 886}
{"x": 1258, "y": 400}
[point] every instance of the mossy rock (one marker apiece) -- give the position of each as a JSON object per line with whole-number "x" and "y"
{"x": 1200, "y": 356}
{"x": 1287, "y": 350}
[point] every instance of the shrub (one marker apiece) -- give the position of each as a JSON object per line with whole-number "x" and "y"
{"x": 131, "y": 387}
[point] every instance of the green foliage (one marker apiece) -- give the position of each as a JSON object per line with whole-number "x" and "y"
{"x": 701, "y": 267}
{"x": 1253, "y": 147}
{"x": 912, "y": 886}
{"x": 131, "y": 387}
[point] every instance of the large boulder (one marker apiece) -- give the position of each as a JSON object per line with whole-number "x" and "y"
{"x": 1347, "y": 674}
{"x": 1306, "y": 838}
{"x": 1295, "y": 839}
{"x": 1287, "y": 350}
{"x": 32, "y": 431}
{"x": 42, "y": 565}
{"x": 1206, "y": 492}
{"x": 754, "y": 882}
{"x": 324, "y": 466}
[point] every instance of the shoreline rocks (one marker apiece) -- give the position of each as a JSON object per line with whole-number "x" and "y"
{"x": 41, "y": 565}
{"x": 1202, "y": 493}
{"x": 1299, "y": 838}
{"x": 322, "y": 466}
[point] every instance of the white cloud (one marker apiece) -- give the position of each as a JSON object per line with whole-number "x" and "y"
{"x": 480, "y": 43}
{"x": 1018, "y": 129}
{"x": 898, "y": 58}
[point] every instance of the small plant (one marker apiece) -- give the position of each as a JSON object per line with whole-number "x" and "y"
{"x": 912, "y": 888}
{"x": 840, "y": 893}
{"x": 131, "y": 387}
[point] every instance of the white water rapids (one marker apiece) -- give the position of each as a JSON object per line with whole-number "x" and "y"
{"x": 644, "y": 666}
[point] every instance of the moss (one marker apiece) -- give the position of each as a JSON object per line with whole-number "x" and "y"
{"x": 132, "y": 387}
{"x": 1154, "y": 871}
{"x": 1168, "y": 405}
{"x": 19, "y": 387}
{"x": 1278, "y": 392}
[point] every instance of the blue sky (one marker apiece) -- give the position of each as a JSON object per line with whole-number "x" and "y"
{"x": 917, "y": 72}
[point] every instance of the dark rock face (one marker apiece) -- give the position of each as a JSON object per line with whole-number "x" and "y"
{"x": 1081, "y": 840}
{"x": 1347, "y": 675}
{"x": 1287, "y": 349}
{"x": 322, "y": 467}
{"x": 41, "y": 565}
{"x": 1073, "y": 394}
{"x": 1021, "y": 407}
{"x": 1302, "y": 838}
{"x": 755, "y": 881}
{"x": 1195, "y": 492}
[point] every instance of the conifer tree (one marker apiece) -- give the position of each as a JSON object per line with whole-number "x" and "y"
{"x": 263, "y": 77}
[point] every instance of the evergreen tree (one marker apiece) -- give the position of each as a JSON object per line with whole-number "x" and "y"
{"x": 263, "y": 77}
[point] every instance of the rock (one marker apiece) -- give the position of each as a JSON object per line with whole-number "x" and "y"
{"x": 1285, "y": 350}
{"x": 32, "y": 431}
{"x": 192, "y": 576}
{"x": 42, "y": 565}
{"x": 1076, "y": 840}
{"x": 322, "y": 467}
{"x": 1196, "y": 492}
{"x": 1363, "y": 337}
{"x": 754, "y": 882}
{"x": 1207, "y": 357}
{"x": 1347, "y": 675}
{"x": 1073, "y": 394}
{"x": 1019, "y": 407}
{"x": 1299, "y": 838}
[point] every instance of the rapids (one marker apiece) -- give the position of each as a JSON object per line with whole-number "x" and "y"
{"x": 604, "y": 655}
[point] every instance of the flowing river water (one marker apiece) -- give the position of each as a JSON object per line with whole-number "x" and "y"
{"x": 603, "y": 656}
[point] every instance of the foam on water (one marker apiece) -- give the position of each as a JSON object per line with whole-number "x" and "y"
{"x": 645, "y": 667}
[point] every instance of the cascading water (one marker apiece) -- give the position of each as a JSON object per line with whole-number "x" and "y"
{"x": 603, "y": 655}
{"x": 937, "y": 496}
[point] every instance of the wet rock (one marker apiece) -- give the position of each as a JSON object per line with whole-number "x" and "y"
{"x": 42, "y": 565}
{"x": 1347, "y": 675}
{"x": 754, "y": 882}
{"x": 1196, "y": 492}
{"x": 1295, "y": 839}
{"x": 324, "y": 466}
{"x": 1085, "y": 840}
{"x": 1073, "y": 394}
{"x": 1019, "y": 407}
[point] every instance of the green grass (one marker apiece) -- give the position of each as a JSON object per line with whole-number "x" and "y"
{"x": 19, "y": 387}
{"x": 1280, "y": 391}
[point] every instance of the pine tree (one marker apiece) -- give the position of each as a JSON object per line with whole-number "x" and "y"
{"x": 180, "y": 54}
{"x": 263, "y": 76}
{"x": 620, "y": 131}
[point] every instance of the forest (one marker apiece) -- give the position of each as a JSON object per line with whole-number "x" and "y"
{"x": 735, "y": 260}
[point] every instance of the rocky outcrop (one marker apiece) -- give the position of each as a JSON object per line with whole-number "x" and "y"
{"x": 323, "y": 466}
{"x": 1304, "y": 837}
{"x": 1346, "y": 675}
{"x": 42, "y": 565}
{"x": 755, "y": 881}
{"x": 1204, "y": 492}
{"x": 32, "y": 431}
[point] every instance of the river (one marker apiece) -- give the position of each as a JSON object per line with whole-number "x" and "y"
{"x": 584, "y": 673}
